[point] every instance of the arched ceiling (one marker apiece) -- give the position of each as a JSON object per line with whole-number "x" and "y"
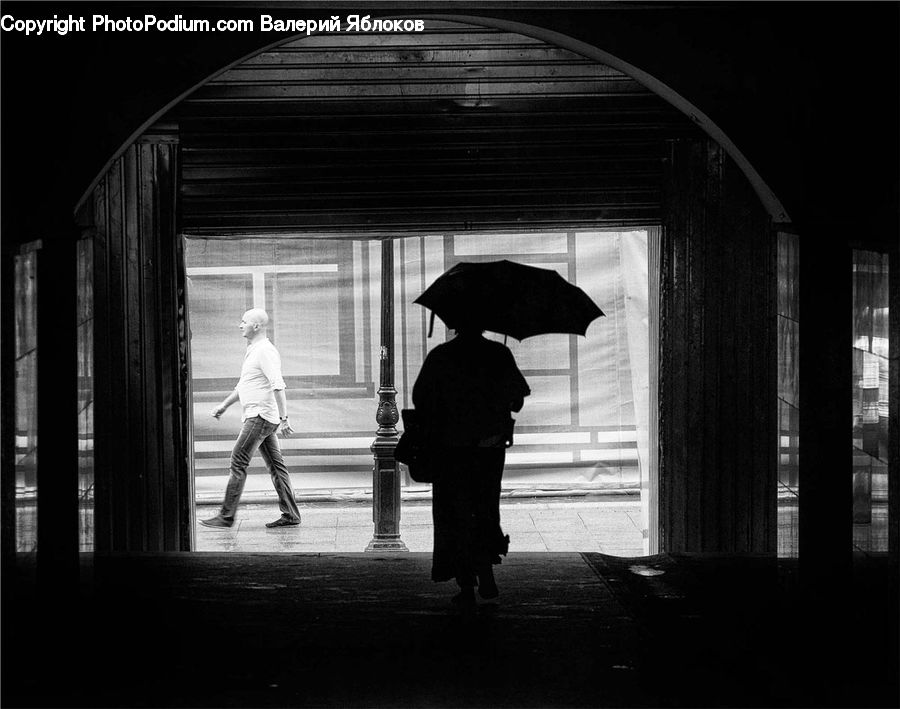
{"x": 457, "y": 127}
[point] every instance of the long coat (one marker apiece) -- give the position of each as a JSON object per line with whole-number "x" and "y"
{"x": 466, "y": 389}
{"x": 465, "y": 392}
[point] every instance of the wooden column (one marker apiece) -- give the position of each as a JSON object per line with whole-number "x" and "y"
{"x": 386, "y": 473}
{"x": 142, "y": 412}
{"x": 717, "y": 348}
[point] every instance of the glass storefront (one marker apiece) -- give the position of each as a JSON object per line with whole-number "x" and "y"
{"x": 26, "y": 400}
{"x": 85, "y": 315}
{"x": 871, "y": 366}
{"x": 788, "y": 270}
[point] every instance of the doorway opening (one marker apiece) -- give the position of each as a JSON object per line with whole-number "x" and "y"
{"x": 580, "y": 475}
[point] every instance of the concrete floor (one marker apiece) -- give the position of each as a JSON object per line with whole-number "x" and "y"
{"x": 610, "y": 525}
{"x": 371, "y": 630}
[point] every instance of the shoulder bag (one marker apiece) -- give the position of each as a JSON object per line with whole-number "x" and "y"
{"x": 412, "y": 449}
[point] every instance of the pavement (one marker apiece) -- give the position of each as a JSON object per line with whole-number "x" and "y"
{"x": 605, "y": 524}
{"x": 183, "y": 629}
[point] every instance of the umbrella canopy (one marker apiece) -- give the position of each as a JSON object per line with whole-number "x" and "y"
{"x": 509, "y": 298}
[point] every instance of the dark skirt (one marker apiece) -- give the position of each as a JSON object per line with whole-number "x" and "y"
{"x": 466, "y": 513}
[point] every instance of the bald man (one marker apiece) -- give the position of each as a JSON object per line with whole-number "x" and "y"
{"x": 261, "y": 393}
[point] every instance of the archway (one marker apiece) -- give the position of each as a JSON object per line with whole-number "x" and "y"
{"x": 768, "y": 198}
{"x": 558, "y": 171}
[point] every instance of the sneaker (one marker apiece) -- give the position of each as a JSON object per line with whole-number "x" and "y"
{"x": 218, "y": 522}
{"x": 284, "y": 521}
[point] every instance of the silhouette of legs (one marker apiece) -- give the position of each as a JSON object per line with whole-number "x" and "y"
{"x": 487, "y": 586}
{"x": 465, "y": 597}
{"x": 468, "y": 539}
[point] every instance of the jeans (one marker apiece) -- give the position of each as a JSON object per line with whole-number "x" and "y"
{"x": 258, "y": 433}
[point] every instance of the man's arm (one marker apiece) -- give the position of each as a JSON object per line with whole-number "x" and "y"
{"x": 281, "y": 401}
{"x": 229, "y": 400}
{"x": 270, "y": 364}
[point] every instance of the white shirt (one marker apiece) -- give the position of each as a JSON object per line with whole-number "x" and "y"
{"x": 260, "y": 378}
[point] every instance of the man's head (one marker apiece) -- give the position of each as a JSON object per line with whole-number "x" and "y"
{"x": 254, "y": 323}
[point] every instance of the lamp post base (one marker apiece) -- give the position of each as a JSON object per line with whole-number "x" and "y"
{"x": 389, "y": 543}
{"x": 386, "y": 497}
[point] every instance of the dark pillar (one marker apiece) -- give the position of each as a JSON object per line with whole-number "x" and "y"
{"x": 144, "y": 499}
{"x": 717, "y": 388}
{"x": 385, "y": 473}
{"x": 8, "y": 415}
{"x": 57, "y": 423}
{"x": 894, "y": 454}
{"x": 825, "y": 448}
{"x": 826, "y": 503}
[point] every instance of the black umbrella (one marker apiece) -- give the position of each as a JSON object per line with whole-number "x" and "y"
{"x": 509, "y": 298}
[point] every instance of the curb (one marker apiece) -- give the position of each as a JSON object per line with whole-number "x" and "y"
{"x": 421, "y": 494}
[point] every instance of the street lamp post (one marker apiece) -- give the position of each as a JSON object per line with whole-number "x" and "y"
{"x": 385, "y": 473}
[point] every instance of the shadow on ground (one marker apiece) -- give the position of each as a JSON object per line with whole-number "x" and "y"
{"x": 349, "y": 630}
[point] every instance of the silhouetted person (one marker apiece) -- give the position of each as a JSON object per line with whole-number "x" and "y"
{"x": 464, "y": 393}
{"x": 261, "y": 393}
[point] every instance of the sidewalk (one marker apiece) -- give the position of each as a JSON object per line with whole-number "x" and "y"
{"x": 610, "y": 525}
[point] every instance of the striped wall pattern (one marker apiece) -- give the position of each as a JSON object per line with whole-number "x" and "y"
{"x": 577, "y": 431}
{"x": 327, "y": 461}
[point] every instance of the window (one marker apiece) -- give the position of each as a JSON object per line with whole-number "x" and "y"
{"x": 871, "y": 367}
{"x": 26, "y": 398}
{"x": 788, "y": 268}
